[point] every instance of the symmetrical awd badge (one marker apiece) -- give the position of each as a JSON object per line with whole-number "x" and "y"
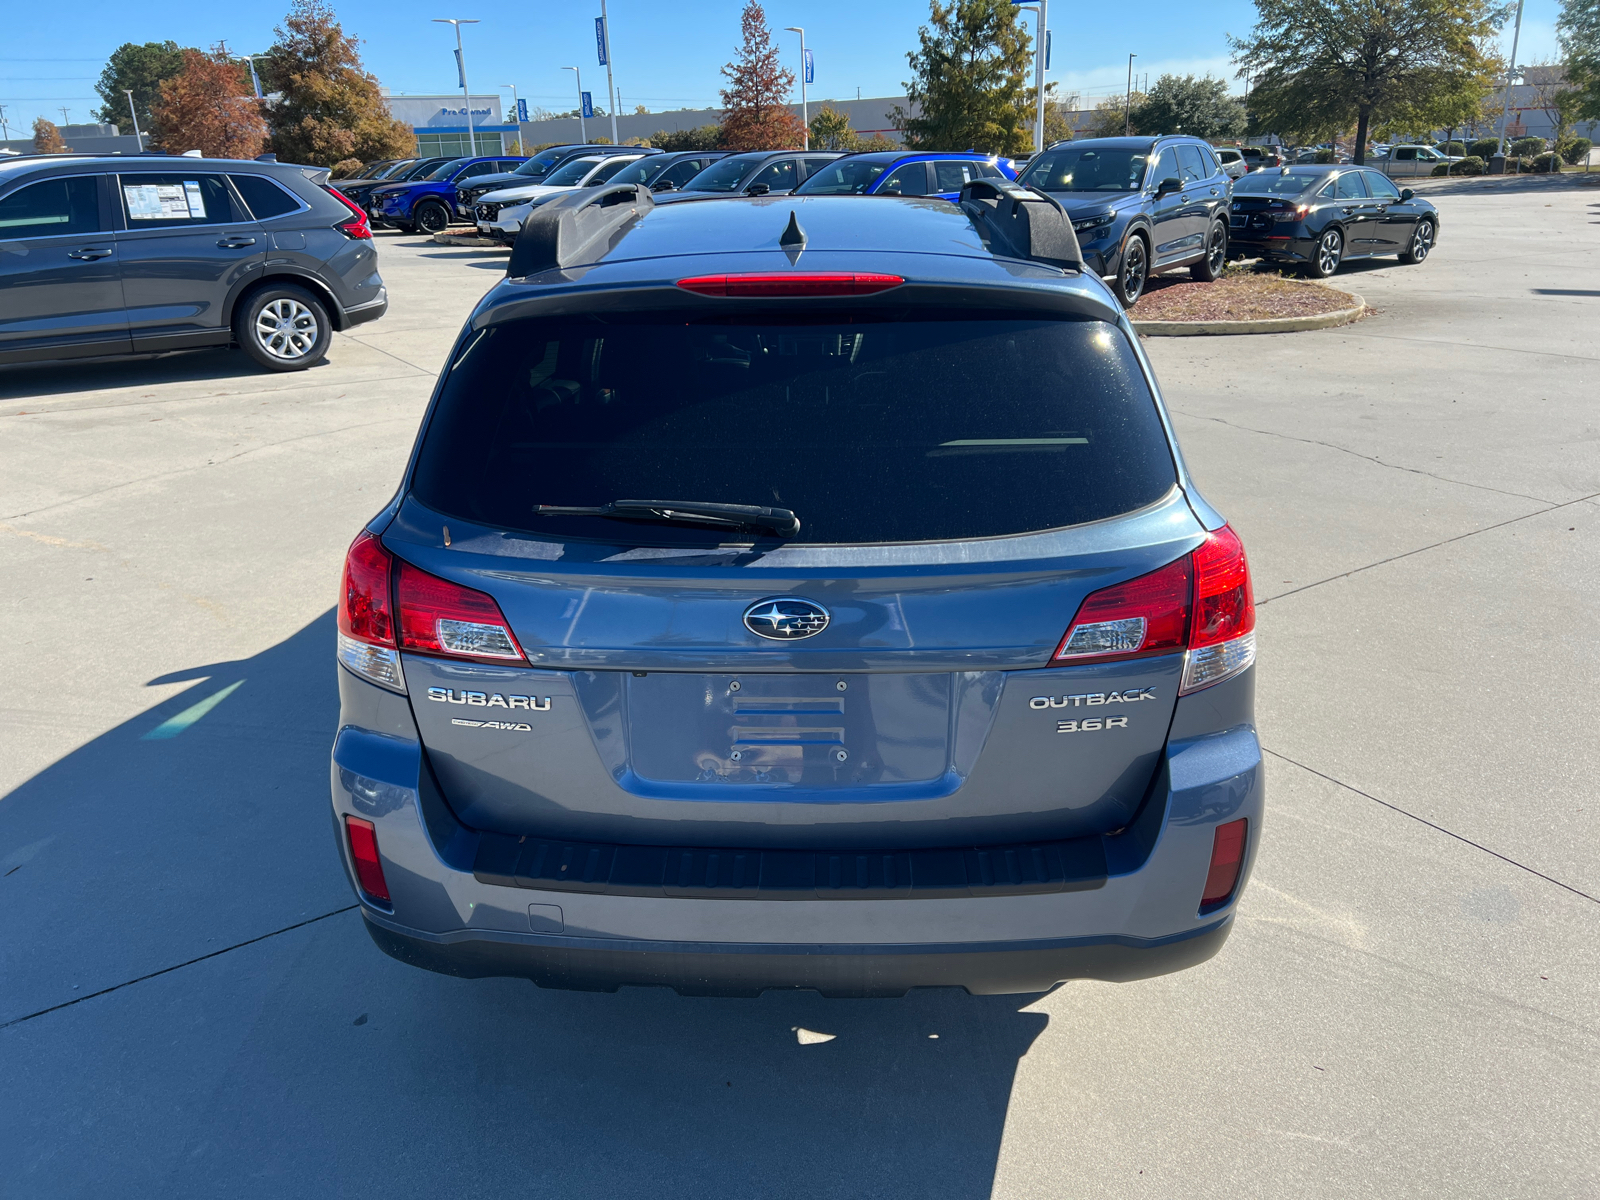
{"x": 785, "y": 618}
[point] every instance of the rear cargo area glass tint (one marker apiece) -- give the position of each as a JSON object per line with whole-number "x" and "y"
{"x": 868, "y": 430}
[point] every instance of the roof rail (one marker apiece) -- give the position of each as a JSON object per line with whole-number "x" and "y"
{"x": 576, "y": 228}
{"x": 1022, "y": 222}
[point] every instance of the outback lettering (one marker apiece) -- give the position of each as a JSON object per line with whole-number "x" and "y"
{"x": 1091, "y": 698}
{"x": 451, "y": 696}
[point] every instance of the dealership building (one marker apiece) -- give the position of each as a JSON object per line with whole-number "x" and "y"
{"x": 440, "y": 123}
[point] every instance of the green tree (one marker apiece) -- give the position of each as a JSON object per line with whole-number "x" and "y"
{"x": 1321, "y": 66}
{"x": 704, "y": 137}
{"x": 831, "y": 130}
{"x": 1578, "y": 28}
{"x": 1185, "y": 104}
{"x": 331, "y": 108}
{"x": 141, "y": 69}
{"x": 755, "y": 104}
{"x": 969, "y": 87}
{"x": 1110, "y": 115}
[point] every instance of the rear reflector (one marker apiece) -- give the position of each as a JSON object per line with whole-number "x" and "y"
{"x": 364, "y": 855}
{"x": 1227, "y": 856}
{"x": 1147, "y": 615}
{"x": 440, "y": 617}
{"x": 791, "y": 283}
{"x": 366, "y": 614}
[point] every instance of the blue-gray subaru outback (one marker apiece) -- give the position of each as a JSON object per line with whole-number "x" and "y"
{"x": 797, "y": 593}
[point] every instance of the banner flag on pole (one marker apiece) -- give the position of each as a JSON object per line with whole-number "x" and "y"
{"x": 522, "y": 109}
{"x": 461, "y": 72}
{"x": 1046, "y": 49}
{"x": 600, "y": 40}
{"x": 588, "y": 106}
{"x": 811, "y": 68}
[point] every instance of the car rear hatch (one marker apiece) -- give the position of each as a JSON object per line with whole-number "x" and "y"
{"x": 962, "y": 484}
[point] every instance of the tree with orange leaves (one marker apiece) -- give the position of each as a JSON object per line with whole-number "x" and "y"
{"x": 210, "y": 106}
{"x": 755, "y": 104}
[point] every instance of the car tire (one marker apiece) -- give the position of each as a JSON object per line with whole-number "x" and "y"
{"x": 405, "y": 226}
{"x": 283, "y": 327}
{"x": 432, "y": 217}
{"x": 1209, "y": 268}
{"x": 1421, "y": 242}
{"x": 1325, "y": 259}
{"x": 1133, "y": 272}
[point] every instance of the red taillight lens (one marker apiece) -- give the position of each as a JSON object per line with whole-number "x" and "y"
{"x": 791, "y": 283}
{"x": 357, "y": 227}
{"x": 1224, "y": 607}
{"x": 1227, "y": 856}
{"x": 440, "y": 617}
{"x": 364, "y": 855}
{"x": 1147, "y": 615}
{"x": 364, "y": 609}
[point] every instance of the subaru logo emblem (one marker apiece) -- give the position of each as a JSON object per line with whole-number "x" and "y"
{"x": 785, "y": 618}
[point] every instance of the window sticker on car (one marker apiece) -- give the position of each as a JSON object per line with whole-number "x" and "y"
{"x": 165, "y": 201}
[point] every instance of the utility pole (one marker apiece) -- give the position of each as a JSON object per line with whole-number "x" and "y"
{"x": 1511, "y": 74}
{"x": 134, "y": 113}
{"x": 805, "y": 109}
{"x": 461, "y": 68}
{"x": 1127, "y": 103}
{"x": 5, "y": 129}
{"x": 605, "y": 59}
{"x": 583, "y": 133}
{"x": 66, "y": 120}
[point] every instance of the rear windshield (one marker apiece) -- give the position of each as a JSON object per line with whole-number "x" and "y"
{"x": 869, "y": 430}
{"x": 1273, "y": 183}
{"x": 539, "y": 164}
{"x": 572, "y": 173}
{"x": 724, "y": 176}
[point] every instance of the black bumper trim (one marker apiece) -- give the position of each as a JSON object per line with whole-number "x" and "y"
{"x": 552, "y": 865}
{"x": 697, "y": 969}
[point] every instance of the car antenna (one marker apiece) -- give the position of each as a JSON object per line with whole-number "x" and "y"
{"x": 793, "y": 235}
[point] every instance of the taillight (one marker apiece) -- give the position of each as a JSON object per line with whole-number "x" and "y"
{"x": 1227, "y": 857}
{"x": 1201, "y": 603}
{"x": 366, "y": 614}
{"x": 1222, "y": 640}
{"x": 791, "y": 283}
{"x": 1147, "y": 615}
{"x": 440, "y": 617}
{"x": 357, "y": 226}
{"x": 363, "y": 840}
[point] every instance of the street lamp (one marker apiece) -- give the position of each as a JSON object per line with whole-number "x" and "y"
{"x": 1511, "y": 74}
{"x": 461, "y": 68}
{"x": 611, "y": 87}
{"x": 134, "y": 113}
{"x": 254, "y": 78}
{"x": 516, "y": 113}
{"x": 583, "y": 134}
{"x": 1127, "y": 103}
{"x": 1040, "y": 29}
{"x": 805, "y": 110}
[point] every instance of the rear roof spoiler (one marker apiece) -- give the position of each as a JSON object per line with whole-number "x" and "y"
{"x": 577, "y": 228}
{"x": 1022, "y": 222}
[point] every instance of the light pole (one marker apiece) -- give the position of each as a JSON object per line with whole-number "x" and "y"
{"x": 583, "y": 134}
{"x": 134, "y": 113}
{"x": 1511, "y": 74}
{"x": 254, "y": 78}
{"x": 461, "y": 68}
{"x": 611, "y": 89}
{"x": 805, "y": 110}
{"x": 516, "y": 113}
{"x": 1040, "y": 31}
{"x": 1127, "y": 103}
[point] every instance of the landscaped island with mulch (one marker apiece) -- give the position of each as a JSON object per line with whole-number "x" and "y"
{"x": 1237, "y": 296}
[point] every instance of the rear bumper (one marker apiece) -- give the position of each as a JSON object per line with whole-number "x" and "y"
{"x": 739, "y": 969}
{"x": 1283, "y": 249}
{"x": 360, "y": 314}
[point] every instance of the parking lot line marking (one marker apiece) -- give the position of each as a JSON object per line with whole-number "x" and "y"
{"x": 1424, "y": 820}
{"x": 177, "y": 967}
{"x": 173, "y": 726}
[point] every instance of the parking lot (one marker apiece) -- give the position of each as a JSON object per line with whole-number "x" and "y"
{"x": 1408, "y": 1005}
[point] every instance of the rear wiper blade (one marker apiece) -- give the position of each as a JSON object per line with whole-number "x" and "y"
{"x": 779, "y": 521}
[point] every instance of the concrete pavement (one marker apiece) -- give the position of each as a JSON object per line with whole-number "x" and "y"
{"x": 1407, "y": 1008}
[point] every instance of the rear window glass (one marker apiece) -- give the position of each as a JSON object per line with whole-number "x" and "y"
{"x": 265, "y": 198}
{"x": 851, "y": 177}
{"x": 724, "y": 176}
{"x": 1273, "y": 183}
{"x": 869, "y": 430}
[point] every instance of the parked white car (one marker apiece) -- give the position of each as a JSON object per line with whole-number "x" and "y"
{"x": 500, "y": 214}
{"x": 1233, "y": 163}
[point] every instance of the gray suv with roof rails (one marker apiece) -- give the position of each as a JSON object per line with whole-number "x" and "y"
{"x": 103, "y": 256}
{"x": 772, "y": 601}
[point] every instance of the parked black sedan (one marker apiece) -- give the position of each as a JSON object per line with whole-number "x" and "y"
{"x": 1321, "y": 216}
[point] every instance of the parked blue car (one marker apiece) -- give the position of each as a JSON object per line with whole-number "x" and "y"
{"x": 1140, "y": 206}
{"x": 429, "y": 203}
{"x": 897, "y": 173}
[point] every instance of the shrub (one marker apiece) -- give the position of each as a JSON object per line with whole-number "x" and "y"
{"x": 1523, "y": 147}
{"x": 1453, "y": 148}
{"x": 1471, "y": 165}
{"x": 706, "y": 137}
{"x": 1545, "y": 163}
{"x": 1324, "y": 156}
{"x": 1482, "y": 148}
{"x": 1576, "y": 150}
{"x": 347, "y": 168}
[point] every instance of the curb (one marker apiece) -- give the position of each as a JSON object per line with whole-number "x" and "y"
{"x": 468, "y": 239}
{"x": 1267, "y": 325}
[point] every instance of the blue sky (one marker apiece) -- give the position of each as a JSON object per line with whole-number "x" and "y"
{"x": 664, "y": 57}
